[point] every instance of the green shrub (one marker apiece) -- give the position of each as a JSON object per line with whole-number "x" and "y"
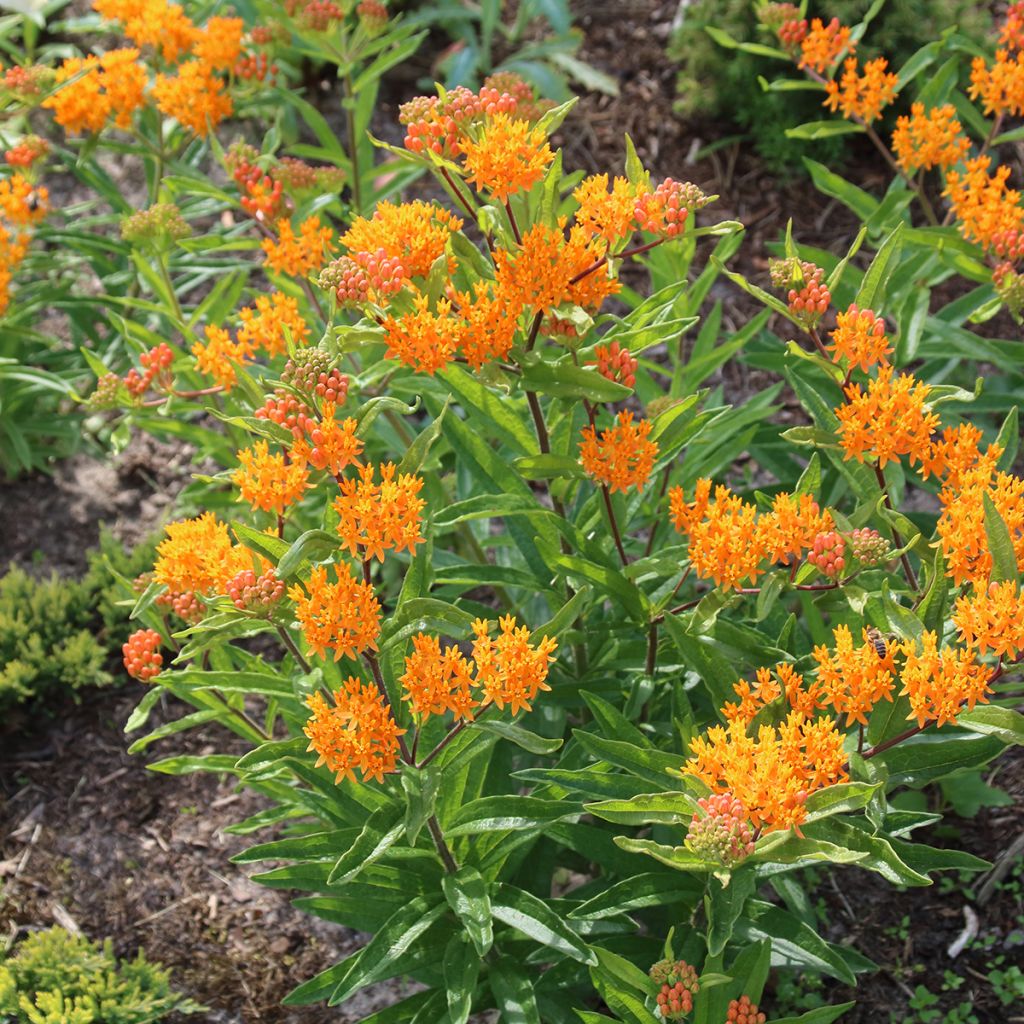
{"x": 110, "y": 564}
{"x": 722, "y": 84}
{"x": 58, "y": 978}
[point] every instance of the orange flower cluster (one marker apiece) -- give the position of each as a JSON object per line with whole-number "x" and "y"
{"x": 926, "y": 140}
{"x": 112, "y": 85}
{"x": 854, "y": 679}
{"x": 330, "y": 445}
{"x": 1000, "y": 87}
{"x": 982, "y": 202}
{"x": 992, "y": 617}
{"x": 435, "y": 683}
{"x": 605, "y": 213}
{"x": 269, "y": 481}
{"x": 357, "y": 731}
{"x": 956, "y": 456}
{"x": 272, "y": 324}
{"x": 1011, "y": 34}
{"x": 506, "y": 156}
{"x": 197, "y": 556}
{"x": 422, "y": 339}
{"x": 768, "y": 689}
{"x": 21, "y": 203}
{"x": 375, "y": 517}
{"x": 728, "y": 541}
{"x": 862, "y": 96}
{"x": 888, "y": 420}
{"x": 622, "y": 457}
{"x": 13, "y": 249}
{"x": 941, "y": 684}
{"x": 774, "y": 772}
{"x": 342, "y": 616}
{"x": 821, "y": 46}
{"x": 860, "y": 338}
{"x": 301, "y": 254}
{"x": 220, "y": 356}
{"x": 153, "y": 23}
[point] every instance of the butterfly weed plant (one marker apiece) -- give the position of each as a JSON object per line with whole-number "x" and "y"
{"x": 535, "y": 697}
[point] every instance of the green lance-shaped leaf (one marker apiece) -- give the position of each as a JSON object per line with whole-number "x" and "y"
{"x": 461, "y": 970}
{"x": 723, "y": 904}
{"x": 537, "y": 920}
{"x": 1000, "y": 543}
{"x": 466, "y": 893}
{"x": 513, "y": 992}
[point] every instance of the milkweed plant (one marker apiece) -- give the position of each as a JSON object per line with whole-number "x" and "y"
{"x": 555, "y": 663}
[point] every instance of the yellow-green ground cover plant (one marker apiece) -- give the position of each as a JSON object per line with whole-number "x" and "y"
{"x": 542, "y": 691}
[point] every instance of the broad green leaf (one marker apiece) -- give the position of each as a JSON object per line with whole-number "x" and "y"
{"x": 823, "y": 130}
{"x": 461, "y": 970}
{"x": 819, "y": 1015}
{"x": 516, "y": 734}
{"x": 1000, "y": 543}
{"x": 537, "y": 920}
{"x": 653, "y": 889}
{"x": 512, "y": 987}
{"x": 648, "y": 808}
{"x": 382, "y": 830}
{"x": 723, "y": 905}
{"x": 990, "y": 720}
{"x": 508, "y": 813}
{"x": 466, "y": 892}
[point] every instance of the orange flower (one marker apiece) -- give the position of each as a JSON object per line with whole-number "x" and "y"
{"x": 219, "y": 43}
{"x": 992, "y": 617}
{"x": 436, "y": 683}
{"x": 622, "y": 457}
{"x": 332, "y": 446}
{"x": 752, "y": 699}
{"x": 507, "y": 156}
{"x": 983, "y": 204}
{"x": 375, "y": 517}
{"x": 298, "y": 255}
{"x": 81, "y": 105}
{"x": 21, "y": 202}
{"x": 923, "y": 141}
{"x": 415, "y": 233}
{"x": 221, "y": 357}
{"x": 359, "y": 731}
{"x": 427, "y": 341}
{"x": 273, "y": 322}
{"x": 197, "y": 555}
{"x": 821, "y": 47}
{"x": 890, "y": 419}
{"x": 941, "y": 685}
{"x": 860, "y": 339}
{"x": 862, "y": 95}
{"x": 342, "y": 616}
{"x": 1001, "y": 86}
{"x": 773, "y": 773}
{"x": 603, "y": 213}
{"x": 489, "y": 324}
{"x": 957, "y": 452}
{"x": 152, "y": 23}
{"x": 854, "y": 679}
{"x": 194, "y": 97}
{"x": 508, "y": 668}
{"x": 792, "y": 525}
{"x": 124, "y": 82}
{"x": 269, "y": 481}
{"x": 1012, "y": 32}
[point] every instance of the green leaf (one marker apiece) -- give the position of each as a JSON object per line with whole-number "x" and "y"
{"x": 648, "y": 764}
{"x": 417, "y": 452}
{"x": 567, "y": 380}
{"x": 467, "y": 896}
{"x": 726, "y": 40}
{"x": 819, "y": 1015}
{"x": 513, "y": 992}
{"x": 877, "y": 275}
{"x": 929, "y": 757}
{"x": 421, "y": 788}
{"x": 677, "y": 857}
{"x": 862, "y": 203}
{"x": 521, "y": 737}
{"x": 990, "y": 720}
{"x": 646, "y": 809}
{"x": 311, "y": 546}
{"x": 1000, "y": 543}
{"x": 508, "y": 813}
{"x": 461, "y": 970}
{"x": 839, "y": 799}
{"x": 653, "y": 889}
{"x": 723, "y": 904}
{"x": 792, "y": 939}
{"x": 537, "y": 920}
{"x": 823, "y": 129}
{"x": 383, "y": 828}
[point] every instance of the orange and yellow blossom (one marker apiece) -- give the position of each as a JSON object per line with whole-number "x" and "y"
{"x": 197, "y": 556}
{"x": 218, "y": 43}
{"x": 415, "y": 233}
{"x": 22, "y": 203}
{"x": 860, "y": 339}
{"x": 862, "y": 96}
{"x": 604, "y": 213}
{"x": 773, "y": 773}
{"x": 821, "y": 46}
{"x": 956, "y": 453}
{"x": 342, "y": 616}
{"x": 854, "y": 679}
{"x": 425, "y": 340}
{"x": 330, "y": 445}
{"x": 357, "y": 731}
{"x": 112, "y": 84}
{"x": 791, "y": 526}
{"x": 194, "y": 97}
{"x": 435, "y": 683}
{"x": 941, "y": 684}
{"x": 489, "y": 324}
{"x": 376, "y": 517}
{"x": 269, "y": 481}
{"x": 805, "y": 699}
{"x": 221, "y": 356}
{"x": 985, "y": 207}
{"x": 509, "y": 669}
{"x": 506, "y": 156}
{"x": 301, "y": 254}
{"x": 1001, "y": 85}
{"x": 623, "y": 456}
{"x": 923, "y": 141}
{"x": 992, "y": 618}
{"x": 152, "y": 23}
{"x": 889, "y": 420}
{"x": 270, "y": 325}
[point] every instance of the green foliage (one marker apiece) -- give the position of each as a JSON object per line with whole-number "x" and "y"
{"x": 111, "y": 564}
{"x": 54, "y": 977}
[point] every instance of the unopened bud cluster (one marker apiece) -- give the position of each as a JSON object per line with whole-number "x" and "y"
{"x": 186, "y": 606}
{"x": 678, "y": 981}
{"x": 142, "y": 657}
{"x": 158, "y": 225}
{"x": 318, "y": 15}
{"x": 616, "y": 363}
{"x": 1009, "y": 244}
{"x": 250, "y": 592}
{"x": 869, "y": 547}
{"x": 155, "y": 364}
{"x": 774, "y": 15}
{"x": 722, "y": 832}
{"x": 109, "y": 393}
{"x": 743, "y": 1011}
{"x": 828, "y": 553}
{"x": 1009, "y": 287}
{"x": 27, "y": 152}
{"x": 310, "y": 371}
{"x": 256, "y": 66}
{"x": 287, "y": 411}
{"x": 373, "y": 16}
{"x": 806, "y": 293}
{"x": 664, "y": 211}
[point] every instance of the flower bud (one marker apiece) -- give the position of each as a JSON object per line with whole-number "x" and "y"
{"x": 142, "y": 658}
{"x": 722, "y": 833}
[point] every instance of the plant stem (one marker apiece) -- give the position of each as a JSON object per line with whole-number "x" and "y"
{"x": 353, "y": 143}
{"x": 292, "y": 649}
{"x": 908, "y": 570}
{"x": 613, "y": 522}
{"x": 879, "y": 748}
{"x": 453, "y": 732}
{"x": 652, "y": 649}
{"x": 442, "y": 847}
{"x": 512, "y": 221}
{"x": 657, "y": 522}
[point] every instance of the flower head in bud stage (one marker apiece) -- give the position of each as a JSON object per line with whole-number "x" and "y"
{"x": 376, "y": 517}
{"x": 862, "y": 96}
{"x": 868, "y": 547}
{"x": 509, "y": 669}
{"x": 298, "y": 255}
{"x": 1009, "y": 245}
{"x": 992, "y": 618}
{"x": 187, "y": 606}
{"x": 221, "y": 356}
{"x": 110, "y": 393}
{"x": 506, "y": 156}
{"x": 622, "y": 457}
{"x": 287, "y": 411}
{"x": 330, "y": 445}
{"x": 156, "y": 365}
{"x": 357, "y": 732}
{"x": 262, "y": 198}
{"x": 808, "y": 296}
{"x": 348, "y": 281}
{"x": 985, "y": 206}
{"x": 384, "y": 275}
{"x": 607, "y": 214}
{"x": 616, "y": 364}
{"x": 252, "y": 593}
{"x": 312, "y": 371}
{"x": 722, "y": 833}
{"x": 343, "y": 616}
{"x": 157, "y": 226}
{"x": 27, "y": 152}
{"x": 373, "y": 16}
{"x": 1011, "y": 33}
{"x": 860, "y": 339}
{"x": 774, "y": 15}
{"x": 255, "y": 66}
{"x": 941, "y": 684}
{"x": 821, "y": 46}
{"x": 792, "y": 526}
{"x": 664, "y": 211}
{"x": 828, "y": 553}
{"x": 299, "y": 177}
{"x": 743, "y": 1011}
{"x": 197, "y": 556}
{"x": 888, "y": 420}
{"x": 268, "y": 480}
{"x": 142, "y": 657}
{"x": 999, "y": 86}
{"x": 926, "y": 140}
{"x": 853, "y": 679}
{"x": 28, "y": 83}
{"x": 1009, "y": 285}
{"x": 318, "y": 15}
